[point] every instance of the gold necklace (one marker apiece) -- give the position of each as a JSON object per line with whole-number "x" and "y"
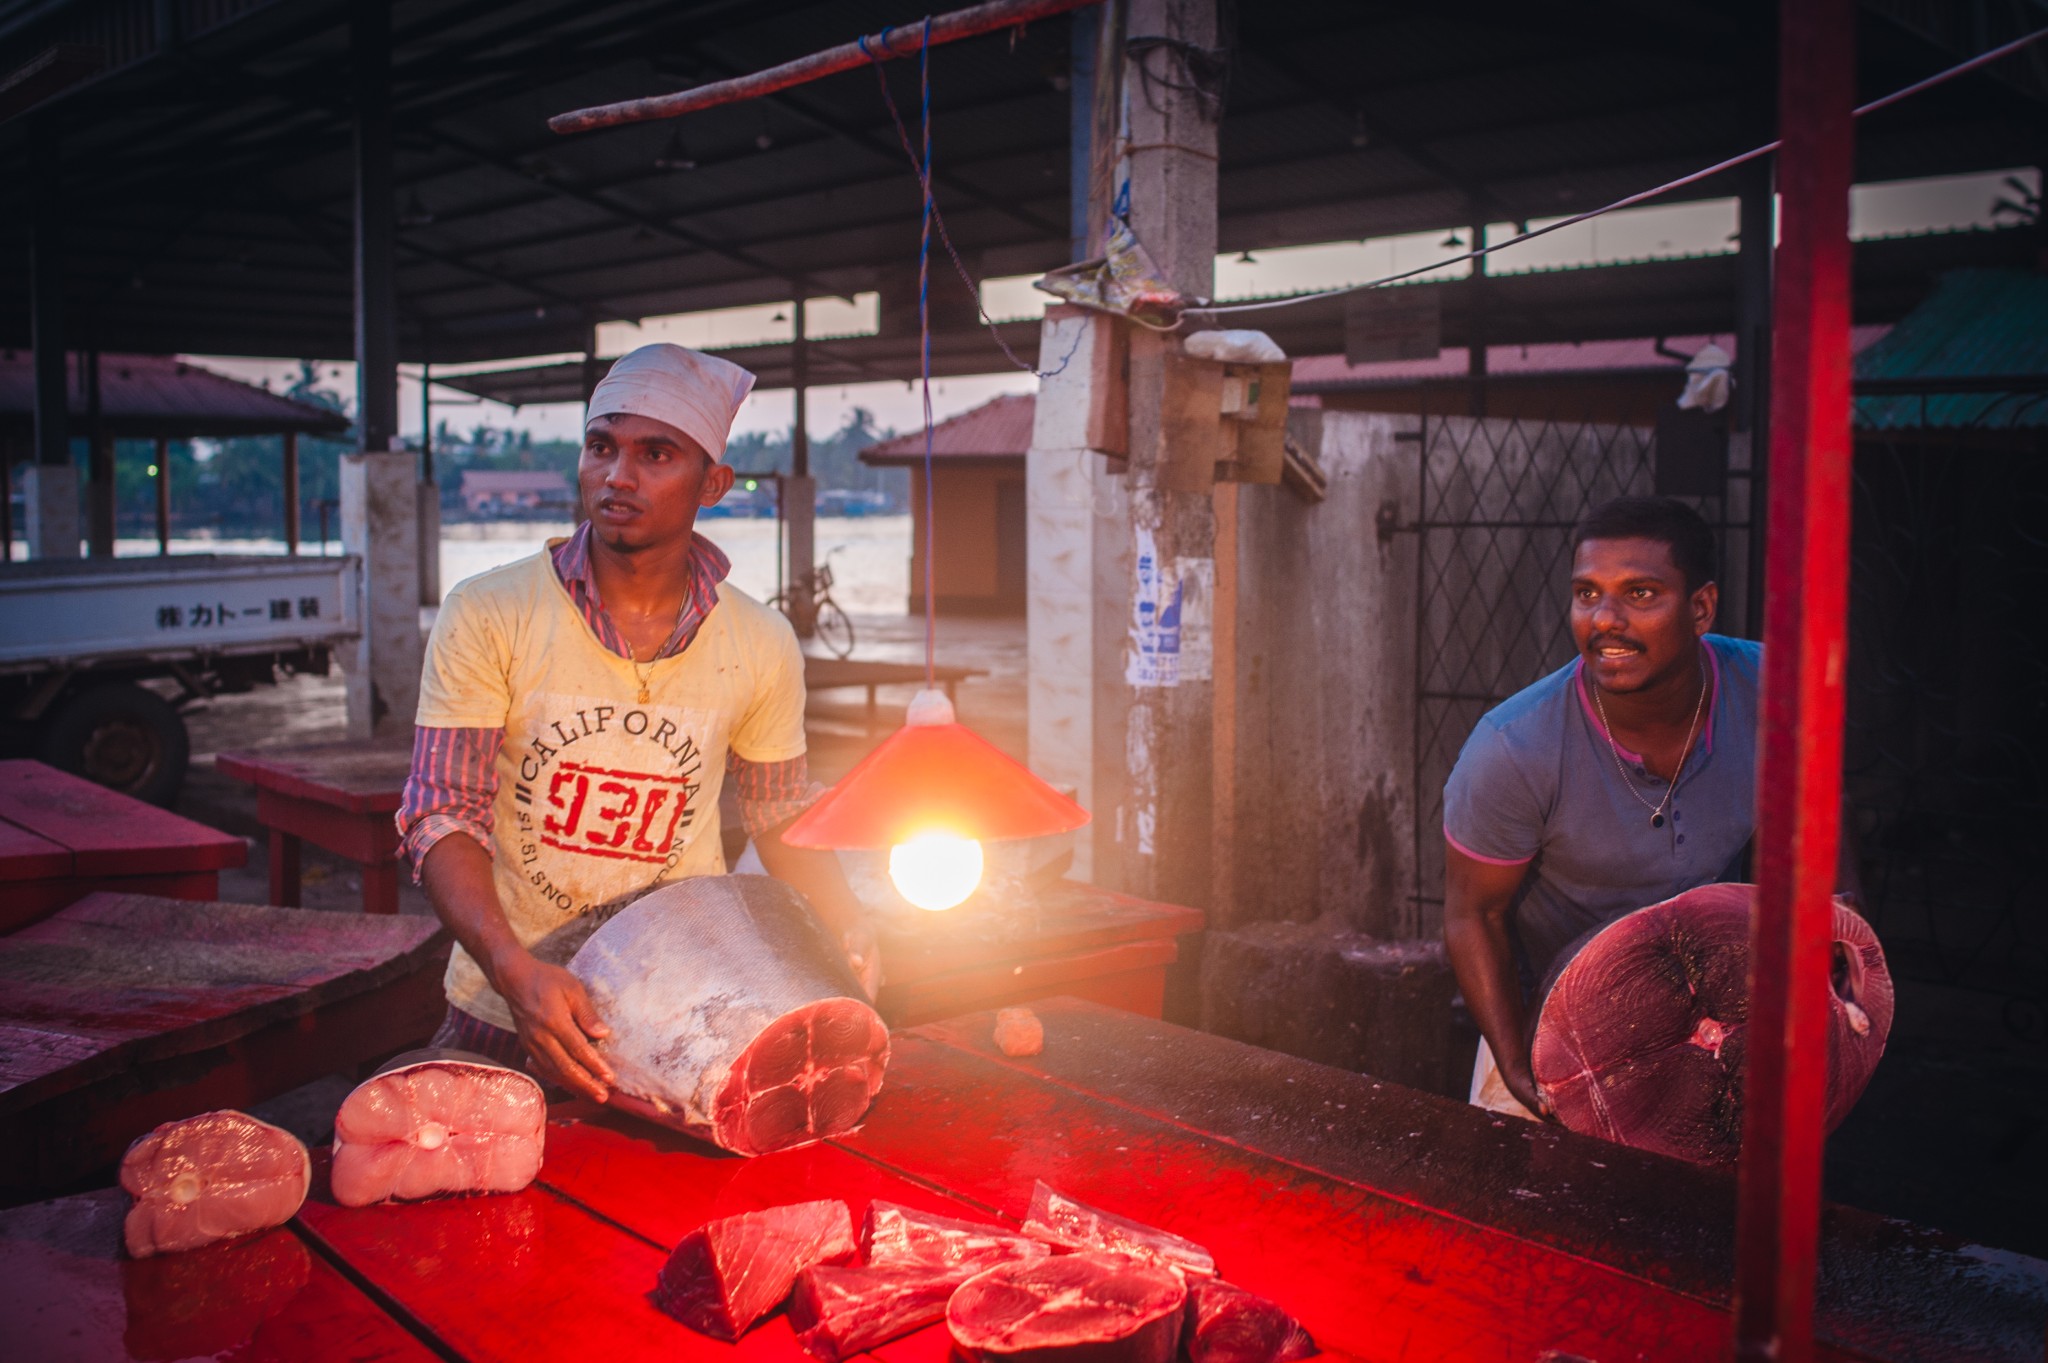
{"x": 1656, "y": 810}
{"x": 633, "y": 657}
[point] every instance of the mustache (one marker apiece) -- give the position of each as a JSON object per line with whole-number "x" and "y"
{"x": 1613, "y": 641}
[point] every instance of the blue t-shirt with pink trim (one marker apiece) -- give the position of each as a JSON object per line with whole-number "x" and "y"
{"x": 1537, "y": 785}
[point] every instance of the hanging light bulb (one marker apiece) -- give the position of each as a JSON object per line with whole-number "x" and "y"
{"x": 931, "y": 794}
{"x": 936, "y": 871}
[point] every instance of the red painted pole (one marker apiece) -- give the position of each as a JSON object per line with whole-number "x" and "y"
{"x": 1806, "y": 594}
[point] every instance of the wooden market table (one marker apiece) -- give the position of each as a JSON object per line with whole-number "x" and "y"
{"x": 62, "y": 837}
{"x": 123, "y": 1011}
{"x": 337, "y": 796}
{"x": 1394, "y": 1224}
{"x": 828, "y": 674}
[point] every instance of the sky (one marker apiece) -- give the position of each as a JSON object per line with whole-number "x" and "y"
{"x": 1876, "y": 210}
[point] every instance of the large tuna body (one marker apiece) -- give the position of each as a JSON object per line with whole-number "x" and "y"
{"x": 734, "y": 1015}
{"x": 1642, "y": 1035}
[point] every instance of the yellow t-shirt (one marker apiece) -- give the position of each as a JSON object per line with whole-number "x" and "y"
{"x": 601, "y": 798}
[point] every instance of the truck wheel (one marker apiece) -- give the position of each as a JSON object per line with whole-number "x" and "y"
{"x": 123, "y": 736}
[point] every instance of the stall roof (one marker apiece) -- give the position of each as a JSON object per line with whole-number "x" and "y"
{"x": 998, "y": 429}
{"x": 206, "y": 182}
{"x": 1976, "y": 352}
{"x": 152, "y": 395}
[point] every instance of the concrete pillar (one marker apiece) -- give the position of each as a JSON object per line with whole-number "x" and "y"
{"x": 1156, "y": 733}
{"x": 801, "y": 489}
{"x": 380, "y": 524}
{"x": 50, "y": 492}
{"x": 429, "y": 500}
{"x": 1061, "y": 511}
{"x": 50, "y": 485}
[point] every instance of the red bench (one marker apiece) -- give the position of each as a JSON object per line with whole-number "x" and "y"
{"x": 62, "y": 837}
{"x": 337, "y": 796}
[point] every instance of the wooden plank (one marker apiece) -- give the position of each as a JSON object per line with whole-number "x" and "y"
{"x": 1367, "y": 1273}
{"x": 109, "y": 833}
{"x": 25, "y": 856}
{"x": 69, "y": 1295}
{"x": 152, "y": 978}
{"x": 346, "y": 776}
{"x": 1064, "y": 918}
{"x": 31, "y": 901}
{"x": 520, "y": 1277}
{"x": 1000, "y": 983}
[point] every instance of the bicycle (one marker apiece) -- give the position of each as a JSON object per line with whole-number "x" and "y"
{"x": 811, "y": 592}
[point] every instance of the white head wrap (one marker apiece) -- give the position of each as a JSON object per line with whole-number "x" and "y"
{"x": 698, "y": 394}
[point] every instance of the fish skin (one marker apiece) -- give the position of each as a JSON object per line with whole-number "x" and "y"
{"x": 1061, "y": 1220}
{"x": 720, "y": 992}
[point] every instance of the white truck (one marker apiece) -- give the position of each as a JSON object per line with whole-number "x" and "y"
{"x": 79, "y": 637}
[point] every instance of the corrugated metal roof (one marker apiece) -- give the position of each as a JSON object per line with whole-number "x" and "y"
{"x": 1977, "y": 324}
{"x": 146, "y": 395}
{"x": 998, "y": 428}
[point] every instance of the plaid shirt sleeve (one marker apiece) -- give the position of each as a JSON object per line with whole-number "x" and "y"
{"x": 451, "y": 787}
{"x": 771, "y": 792}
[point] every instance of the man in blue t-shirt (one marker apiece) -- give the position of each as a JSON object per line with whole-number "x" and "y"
{"x": 1617, "y": 781}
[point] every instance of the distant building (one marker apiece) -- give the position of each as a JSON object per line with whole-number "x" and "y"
{"x": 503, "y": 492}
{"x": 978, "y": 489}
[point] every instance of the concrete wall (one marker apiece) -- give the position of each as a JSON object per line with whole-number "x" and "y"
{"x": 1324, "y": 816}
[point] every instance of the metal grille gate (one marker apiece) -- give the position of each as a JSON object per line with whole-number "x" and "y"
{"x": 1498, "y": 500}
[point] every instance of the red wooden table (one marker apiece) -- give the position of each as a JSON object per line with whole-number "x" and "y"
{"x": 337, "y": 796}
{"x": 123, "y": 1011}
{"x": 62, "y": 837}
{"x": 1394, "y": 1224}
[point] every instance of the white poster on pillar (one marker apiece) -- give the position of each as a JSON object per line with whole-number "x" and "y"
{"x": 1172, "y": 615}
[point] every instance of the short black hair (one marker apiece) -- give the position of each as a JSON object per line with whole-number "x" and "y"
{"x": 1654, "y": 518}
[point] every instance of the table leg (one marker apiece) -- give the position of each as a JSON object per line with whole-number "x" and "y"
{"x": 284, "y": 869}
{"x": 871, "y": 709}
{"x": 380, "y": 888}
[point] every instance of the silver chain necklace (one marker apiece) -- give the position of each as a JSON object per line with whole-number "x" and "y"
{"x": 1656, "y": 810}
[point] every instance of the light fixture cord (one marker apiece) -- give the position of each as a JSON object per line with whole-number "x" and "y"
{"x": 924, "y": 327}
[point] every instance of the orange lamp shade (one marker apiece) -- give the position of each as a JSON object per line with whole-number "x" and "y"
{"x": 934, "y": 778}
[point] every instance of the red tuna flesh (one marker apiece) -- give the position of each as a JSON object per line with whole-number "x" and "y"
{"x": 208, "y": 1178}
{"x": 902, "y": 1236}
{"x": 1641, "y": 1038}
{"x": 727, "y": 1274}
{"x": 734, "y": 1015}
{"x": 1059, "y": 1220}
{"x": 1076, "y": 1308}
{"x": 434, "y": 1122}
{"x": 839, "y": 1311}
{"x": 1227, "y": 1324}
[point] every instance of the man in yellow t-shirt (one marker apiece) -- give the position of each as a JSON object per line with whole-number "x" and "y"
{"x": 580, "y": 711}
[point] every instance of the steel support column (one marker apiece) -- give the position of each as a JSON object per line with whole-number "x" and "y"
{"x": 1805, "y": 657}
{"x": 1751, "y": 405}
{"x": 163, "y": 496}
{"x": 46, "y": 303}
{"x": 291, "y": 492}
{"x": 1475, "y": 327}
{"x": 99, "y": 463}
{"x": 803, "y": 510}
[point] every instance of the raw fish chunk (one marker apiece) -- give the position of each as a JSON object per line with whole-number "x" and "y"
{"x": 1227, "y": 1324}
{"x": 1019, "y": 1032}
{"x": 1076, "y": 1308}
{"x": 729, "y": 1273}
{"x": 1059, "y": 1220}
{"x": 208, "y": 1178}
{"x": 838, "y": 1311}
{"x": 894, "y": 1236}
{"x": 434, "y": 1122}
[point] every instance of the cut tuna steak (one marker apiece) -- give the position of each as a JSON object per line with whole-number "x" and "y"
{"x": 734, "y": 1015}
{"x": 211, "y": 1177}
{"x": 839, "y": 1311}
{"x": 727, "y": 1274}
{"x": 1642, "y": 1034}
{"x": 902, "y": 1236}
{"x": 438, "y": 1121}
{"x": 1076, "y": 1308}
{"x": 1227, "y": 1324}
{"x": 1059, "y": 1220}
